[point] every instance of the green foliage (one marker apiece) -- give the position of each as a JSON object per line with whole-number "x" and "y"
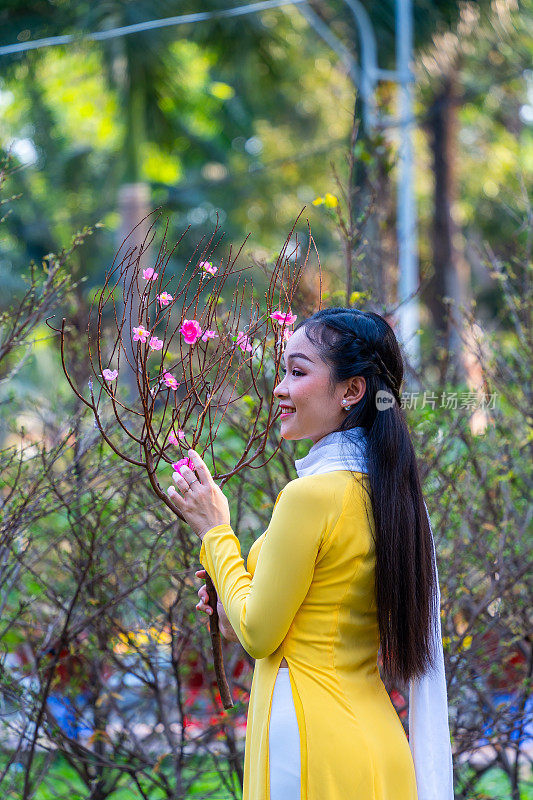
{"x": 242, "y": 119}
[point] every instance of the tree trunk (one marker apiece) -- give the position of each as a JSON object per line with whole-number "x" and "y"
{"x": 451, "y": 277}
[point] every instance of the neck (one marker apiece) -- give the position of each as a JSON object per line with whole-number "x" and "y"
{"x": 338, "y": 450}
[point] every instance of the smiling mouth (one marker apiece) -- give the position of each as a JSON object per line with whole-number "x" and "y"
{"x": 286, "y": 411}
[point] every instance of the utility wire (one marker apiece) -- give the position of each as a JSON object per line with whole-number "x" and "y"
{"x": 150, "y": 25}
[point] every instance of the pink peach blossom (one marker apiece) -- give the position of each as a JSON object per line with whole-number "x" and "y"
{"x": 140, "y": 334}
{"x": 110, "y": 374}
{"x": 208, "y": 267}
{"x": 155, "y": 343}
{"x": 173, "y": 439}
{"x": 287, "y": 318}
{"x": 243, "y": 341}
{"x": 164, "y": 299}
{"x": 190, "y": 330}
{"x": 170, "y": 381}
{"x": 287, "y": 333}
{"x": 209, "y": 335}
{"x": 150, "y": 274}
{"x": 183, "y": 462}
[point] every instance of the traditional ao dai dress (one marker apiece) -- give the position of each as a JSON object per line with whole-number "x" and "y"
{"x": 307, "y": 595}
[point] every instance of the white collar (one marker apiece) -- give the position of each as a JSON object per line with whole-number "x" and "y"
{"x": 336, "y": 450}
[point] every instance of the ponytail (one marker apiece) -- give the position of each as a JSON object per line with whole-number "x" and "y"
{"x": 358, "y": 343}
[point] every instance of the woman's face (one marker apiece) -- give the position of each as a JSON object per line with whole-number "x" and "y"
{"x": 305, "y": 388}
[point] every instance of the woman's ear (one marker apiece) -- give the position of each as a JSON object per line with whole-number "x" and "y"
{"x": 356, "y": 389}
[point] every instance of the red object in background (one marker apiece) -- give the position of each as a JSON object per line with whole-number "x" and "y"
{"x": 205, "y": 708}
{"x": 399, "y": 704}
{"x": 195, "y": 680}
{"x": 511, "y": 662}
{"x": 68, "y": 665}
{"x": 239, "y": 666}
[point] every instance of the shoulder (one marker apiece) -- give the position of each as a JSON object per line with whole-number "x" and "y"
{"x": 323, "y": 492}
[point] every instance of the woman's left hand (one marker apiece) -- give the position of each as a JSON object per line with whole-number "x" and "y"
{"x": 200, "y": 501}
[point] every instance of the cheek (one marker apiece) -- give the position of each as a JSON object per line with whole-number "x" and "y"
{"x": 308, "y": 393}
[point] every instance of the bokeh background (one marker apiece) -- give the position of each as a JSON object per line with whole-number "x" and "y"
{"x": 244, "y": 119}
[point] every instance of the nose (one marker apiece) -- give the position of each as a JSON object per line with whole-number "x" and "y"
{"x": 278, "y": 392}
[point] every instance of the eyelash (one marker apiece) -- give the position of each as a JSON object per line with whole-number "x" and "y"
{"x": 293, "y": 370}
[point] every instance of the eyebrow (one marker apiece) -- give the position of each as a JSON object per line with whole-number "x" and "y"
{"x": 300, "y": 355}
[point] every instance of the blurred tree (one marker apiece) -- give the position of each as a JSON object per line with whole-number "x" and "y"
{"x": 247, "y": 113}
{"x": 436, "y": 22}
{"x": 461, "y": 76}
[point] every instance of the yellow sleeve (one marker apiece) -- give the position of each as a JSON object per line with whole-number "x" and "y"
{"x": 261, "y": 608}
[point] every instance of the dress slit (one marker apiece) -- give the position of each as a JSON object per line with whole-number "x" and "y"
{"x": 284, "y": 741}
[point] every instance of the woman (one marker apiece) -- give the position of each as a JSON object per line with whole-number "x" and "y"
{"x": 345, "y": 565}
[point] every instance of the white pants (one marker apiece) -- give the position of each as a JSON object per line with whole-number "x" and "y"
{"x": 284, "y": 742}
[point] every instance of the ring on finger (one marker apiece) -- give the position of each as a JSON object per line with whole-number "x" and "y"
{"x": 187, "y": 474}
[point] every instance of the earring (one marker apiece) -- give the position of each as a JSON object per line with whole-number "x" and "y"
{"x": 347, "y": 408}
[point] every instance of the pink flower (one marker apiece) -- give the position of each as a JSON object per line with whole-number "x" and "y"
{"x": 150, "y": 274}
{"x": 155, "y": 343}
{"x": 164, "y": 299}
{"x": 191, "y": 330}
{"x": 287, "y": 318}
{"x": 170, "y": 381}
{"x": 209, "y": 335}
{"x": 173, "y": 439}
{"x": 243, "y": 341}
{"x": 183, "y": 462}
{"x": 110, "y": 374}
{"x": 287, "y": 333}
{"x": 140, "y": 334}
{"x": 208, "y": 267}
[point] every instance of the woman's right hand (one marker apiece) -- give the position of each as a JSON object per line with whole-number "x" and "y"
{"x": 203, "y": 605}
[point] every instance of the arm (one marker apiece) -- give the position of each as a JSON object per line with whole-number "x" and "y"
{"x": 261, "y": 609}
{"x": 229, "y": 634}
{"x": 224, "y": 624}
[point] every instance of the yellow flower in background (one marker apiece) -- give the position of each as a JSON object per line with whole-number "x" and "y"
{"x": 466, "y": 644}
{"x": 161, "y": 637}
{"x": 358, "y": 297}
{"x": 132, "y": 641}
{"x": 222, "y": 90}
{"x": 329, "y": 200}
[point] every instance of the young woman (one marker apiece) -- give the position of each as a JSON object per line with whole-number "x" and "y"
{"x": 346, "y": 565}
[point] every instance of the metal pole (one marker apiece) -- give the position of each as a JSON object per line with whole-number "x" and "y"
{"x": 365, "y": 76}
{"x": 409, "y": 312}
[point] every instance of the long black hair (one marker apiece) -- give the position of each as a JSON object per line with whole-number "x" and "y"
{"x": 361, "y": 343}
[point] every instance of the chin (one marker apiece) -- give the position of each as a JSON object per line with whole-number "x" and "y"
{"x": 288, "y": 437}
{"x": 294, "y": 437}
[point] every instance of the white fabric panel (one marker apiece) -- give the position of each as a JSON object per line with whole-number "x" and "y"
{"x": 284, "y": 742}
